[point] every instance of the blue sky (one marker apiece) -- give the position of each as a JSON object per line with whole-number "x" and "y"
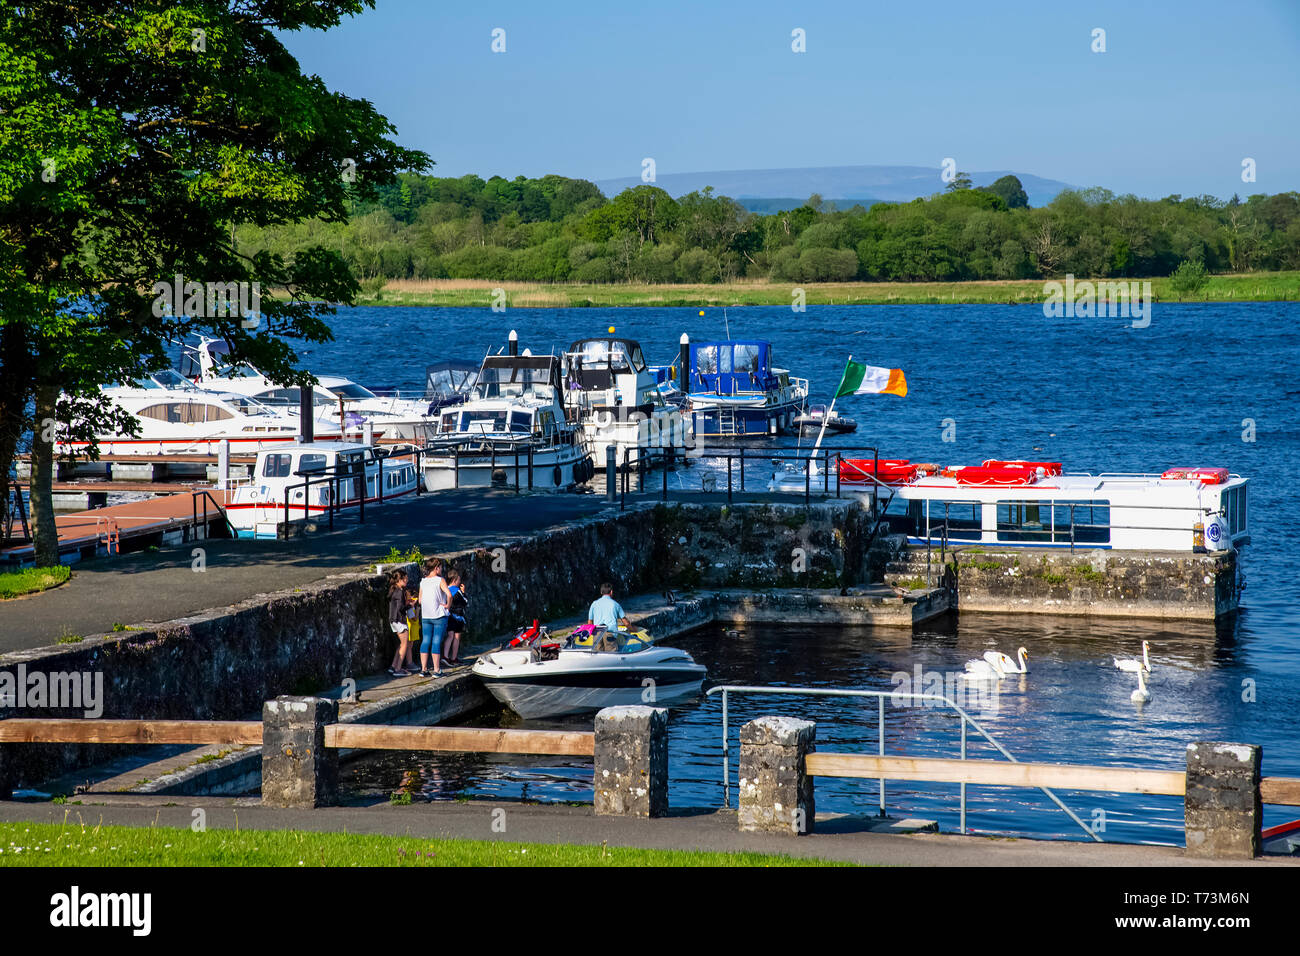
{"x": 1184, "y": 91}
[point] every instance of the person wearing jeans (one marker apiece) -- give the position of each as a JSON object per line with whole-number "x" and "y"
{"x": 434, "y": 598}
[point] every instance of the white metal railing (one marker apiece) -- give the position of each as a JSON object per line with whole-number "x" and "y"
{"x": 880, "y": 696}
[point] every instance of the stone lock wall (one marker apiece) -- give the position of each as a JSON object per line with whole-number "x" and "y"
{"x": 1148, "y": 584}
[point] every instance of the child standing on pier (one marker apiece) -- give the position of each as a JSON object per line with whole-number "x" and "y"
{"x": 397, "y": 620}
{"x": 455, "y": 617}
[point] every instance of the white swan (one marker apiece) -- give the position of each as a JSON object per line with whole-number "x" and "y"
{"x": 1131, "y": 665}
{"x": 1141, "y": 694}
{"x": 997, "y": 664}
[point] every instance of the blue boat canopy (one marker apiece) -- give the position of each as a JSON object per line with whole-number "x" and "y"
{"x": 726, "y": 368}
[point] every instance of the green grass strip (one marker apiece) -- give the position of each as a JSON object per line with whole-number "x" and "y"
{"x": 30, "y": 580}
{"x": 84, "y": 844}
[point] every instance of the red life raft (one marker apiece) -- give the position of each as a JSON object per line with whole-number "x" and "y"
{"x": 888, "y": 471}
{"x": 1207, "y": 476}
{"x": 994, "y": 472}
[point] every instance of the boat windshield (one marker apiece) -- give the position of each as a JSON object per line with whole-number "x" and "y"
{"x": 619, "y": 355}
{"x": 246, "y": 405}
{"x": 495, "y": 421}
{"x": 167, "y": 378}
{"x": 352, "y": 392}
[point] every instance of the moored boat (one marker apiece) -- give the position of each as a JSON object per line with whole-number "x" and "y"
{"x": 306, "y": 479}
{"x": 513, "y": 430}
{"x": 813, "y": 419}
{"x": 732, "y": 390}
{"x": 1038, "y": 504}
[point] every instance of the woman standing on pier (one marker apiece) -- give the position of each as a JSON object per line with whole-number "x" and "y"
{"x": 434, "y": 599}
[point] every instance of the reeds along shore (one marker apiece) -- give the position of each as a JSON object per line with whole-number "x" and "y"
{"x": 1244, "y": 287}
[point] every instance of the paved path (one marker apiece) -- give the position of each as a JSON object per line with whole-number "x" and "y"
{"x": 162, "y": 585}
{"x": 705, "y": 829}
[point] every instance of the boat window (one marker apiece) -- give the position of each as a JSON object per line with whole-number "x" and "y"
{"x": 724, "y": 359}
{"x": 706, "y": 360}
{"x": 277, "y": 465}
{"x": 311, "y": 463}
{"x": 1091, "y": 521}
{"x": 169, "y": 378}
{"x": 247, "y": 406}
{"x": 521, "y": 422}
{"x": 449, "y": 422}
{"x": 159, "y": 413}
{"x": 963, "y": 517}
{"x": 215, "y": 413}
{"x": 747, "y": 358}
{"x": 483, "y": 421}
{"x": 1025, "y": 521}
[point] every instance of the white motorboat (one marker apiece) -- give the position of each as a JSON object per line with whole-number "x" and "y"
{"x": 513, "y": 431}
{"x": 614, "y": 395}
{"x": 175, "y": 417}
{"x": 591, "y": 669}
{"x": 339, "y": 404}
{"x": 312, "y": 478}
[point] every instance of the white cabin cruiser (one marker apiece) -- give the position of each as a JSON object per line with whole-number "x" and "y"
{"x": 340, "y": 405}
{"x": 615, "y": 396}
{"x": 513, "y": 431}
{"x": 313, "y": 478}
{"x": 1038, "y": 505}
{"x": 591, "y": 669}
{"x": 176, "y": 417}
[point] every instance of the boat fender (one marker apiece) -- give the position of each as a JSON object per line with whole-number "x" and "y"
{"x": 558, "y": 475}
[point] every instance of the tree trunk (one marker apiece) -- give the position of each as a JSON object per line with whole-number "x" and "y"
{"x": 15, "y": 390}
{"x": 45, "y": 534}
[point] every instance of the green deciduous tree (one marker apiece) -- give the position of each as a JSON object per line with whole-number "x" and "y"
{"x": 134, "y": 138}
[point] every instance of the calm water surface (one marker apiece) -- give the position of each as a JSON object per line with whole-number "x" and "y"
{"x": 1096, "y": 394}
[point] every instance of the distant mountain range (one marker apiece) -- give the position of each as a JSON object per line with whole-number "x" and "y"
{"x": 767, "y": 190}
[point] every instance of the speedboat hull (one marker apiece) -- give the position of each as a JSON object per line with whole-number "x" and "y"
{"x": 579, "y": 682}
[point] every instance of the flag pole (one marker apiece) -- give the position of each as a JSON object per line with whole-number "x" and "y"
{"x": 825, "y": 418}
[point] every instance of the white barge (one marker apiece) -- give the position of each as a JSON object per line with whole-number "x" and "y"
{"x": 1038, "y": 505}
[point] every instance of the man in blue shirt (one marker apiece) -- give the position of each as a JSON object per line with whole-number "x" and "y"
{"x": 606, "y": 612}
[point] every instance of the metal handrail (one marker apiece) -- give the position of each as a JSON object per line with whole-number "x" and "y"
{"x": 880, "y": 695}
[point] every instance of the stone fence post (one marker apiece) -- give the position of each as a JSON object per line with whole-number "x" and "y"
{"x": 298, "y": 770}
{"x": 631, "y": 761}
{"x": 776, "y": 792}
{"x": 1222, "y": 808}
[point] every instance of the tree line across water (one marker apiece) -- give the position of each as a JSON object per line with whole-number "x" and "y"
{"x": 556, "y": 229}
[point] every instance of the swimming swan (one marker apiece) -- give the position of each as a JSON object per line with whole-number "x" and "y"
{"x": 1141, "y": 694}
{"x": 997, "y": 664}
{"x": 1131, "y": 665}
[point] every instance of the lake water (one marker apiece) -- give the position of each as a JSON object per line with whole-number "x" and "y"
{"x": 1094, "y": 393}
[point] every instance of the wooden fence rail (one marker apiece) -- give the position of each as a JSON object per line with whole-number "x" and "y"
{"x": 462, "y": 739}
{"x": 107, "y": 731}
{"x": 1284, "y": 791}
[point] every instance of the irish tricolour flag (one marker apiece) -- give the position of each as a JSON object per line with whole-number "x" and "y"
{"x": 862, "y": 379}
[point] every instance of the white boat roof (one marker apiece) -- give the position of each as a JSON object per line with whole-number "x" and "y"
{"x": 317, "y": 446}
{"x": 1076, "y": 483}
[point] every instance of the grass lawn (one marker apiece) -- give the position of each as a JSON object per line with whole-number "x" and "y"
{"x": 76, "y": 844}
{"x": 31, "y": 580}
{"x": 1244, "y": 287}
